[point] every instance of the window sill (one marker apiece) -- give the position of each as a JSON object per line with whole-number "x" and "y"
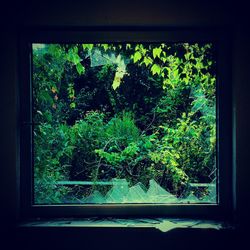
{"x": 162, "y": 224}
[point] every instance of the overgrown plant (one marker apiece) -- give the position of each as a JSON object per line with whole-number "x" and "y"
{"x": 126, "y": 111}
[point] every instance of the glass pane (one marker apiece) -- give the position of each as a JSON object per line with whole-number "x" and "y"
{"x": 124, "y": 123}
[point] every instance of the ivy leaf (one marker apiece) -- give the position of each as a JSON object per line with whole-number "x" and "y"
{"x": 156, "y": 69}
{"x": 137, "y": 56}
{"x": 87, "y": 46}
{"x": 143, "y": 50}
{"x": 137, "y": 47}
{"x": 147, "y": 61}
{"x": 105, "y": 46}
{"x": 157, "y": 52}
{"x": 80, "y": 69}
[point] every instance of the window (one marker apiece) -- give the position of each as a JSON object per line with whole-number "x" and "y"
{"x": 119, "y": 121}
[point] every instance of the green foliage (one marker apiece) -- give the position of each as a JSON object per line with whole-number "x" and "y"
{"x": 156, "y": 69}
{"x": 137, "y": 56}
{"x": 151, "y": 116}
{"x": 123, "y": 129}
{"x": 87, "y": 135}
{"x": 53, "y": 155}
{"x": 157, "y": 52}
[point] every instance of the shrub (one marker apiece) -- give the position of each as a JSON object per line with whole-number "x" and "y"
{"x": 53, "y": 154}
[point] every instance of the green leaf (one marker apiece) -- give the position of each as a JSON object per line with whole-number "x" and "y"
{"x": 164, "y": 59}
{"x": 128, "y": 46}
{"x": 175, "y": 73}
{"x": 147, "y": 60}
{"x": 72, "y": 105}
{"x": 156, "y": 69}
{"x": 105, "y": 46}
{"x": 143, "y": 50}
{"x": 73, "y": 57}
{"x": 87, "y": 46}
{"x": 76, "y": 59}
{"x": 137, "y": 47}
{"x": 137, "y": 56}
{"x": 116, "y": 83}
{"x": 80, "y": 69}
{"x": 157, "y": 52}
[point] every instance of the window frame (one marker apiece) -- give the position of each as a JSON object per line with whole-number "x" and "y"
{"x": 225, "y": 185}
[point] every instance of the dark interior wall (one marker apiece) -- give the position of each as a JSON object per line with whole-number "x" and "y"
{"x": 112, "y": 12}
{"x": 241, "y": 95}
{"x": 234, "y": 16}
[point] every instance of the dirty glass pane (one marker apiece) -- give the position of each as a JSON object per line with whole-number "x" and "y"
{"x": 124, "y": 123}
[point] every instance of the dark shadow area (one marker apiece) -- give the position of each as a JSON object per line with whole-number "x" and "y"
{"x": 125, "y": 238}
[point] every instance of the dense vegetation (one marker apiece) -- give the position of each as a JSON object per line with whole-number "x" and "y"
{"x": 126, "y": 111}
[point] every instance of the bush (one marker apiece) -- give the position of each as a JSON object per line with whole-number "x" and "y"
{"x": 53, "y": 155}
